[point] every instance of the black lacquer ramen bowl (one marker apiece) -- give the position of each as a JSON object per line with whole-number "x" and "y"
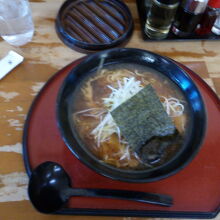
{"x": 195, "y": 130}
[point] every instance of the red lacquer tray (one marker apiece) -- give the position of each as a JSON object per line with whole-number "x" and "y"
{"x": 195, "y": 189}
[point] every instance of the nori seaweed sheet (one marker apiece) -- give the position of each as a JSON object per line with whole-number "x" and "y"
{"x": 142, "y": 117}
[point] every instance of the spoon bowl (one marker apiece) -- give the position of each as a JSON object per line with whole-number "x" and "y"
{"x": 50, "y": 188}
{"x": 46, "y": 185}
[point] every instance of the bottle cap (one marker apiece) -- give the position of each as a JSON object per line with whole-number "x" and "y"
{"x": 214, "y": 3}
{"x": 169, "y": 2}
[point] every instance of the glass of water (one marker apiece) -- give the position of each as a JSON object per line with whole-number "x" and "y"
{"x": 16, "y": 24}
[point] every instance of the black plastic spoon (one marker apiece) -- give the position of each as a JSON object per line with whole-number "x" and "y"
{"x": 50, "y": 188}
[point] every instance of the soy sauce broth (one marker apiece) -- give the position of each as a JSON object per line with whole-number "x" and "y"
{"x": 89, "y": 94}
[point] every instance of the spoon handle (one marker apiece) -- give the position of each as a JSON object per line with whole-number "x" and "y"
{"x": 151, "y": 198}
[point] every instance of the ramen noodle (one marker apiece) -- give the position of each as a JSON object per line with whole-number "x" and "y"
{"x": 105, "y": 90}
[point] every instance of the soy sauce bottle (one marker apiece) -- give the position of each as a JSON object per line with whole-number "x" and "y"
{"x": 188, "y": 16}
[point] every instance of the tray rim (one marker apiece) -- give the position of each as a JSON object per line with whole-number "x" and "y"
{"x": 112, "y": 212}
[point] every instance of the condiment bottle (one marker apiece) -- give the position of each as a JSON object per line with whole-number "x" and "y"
{"x": 216, "y": 27}
{"x": 208, "y": 19}
{"x": 188, "y": 16}
{"x": 160, "y": 17}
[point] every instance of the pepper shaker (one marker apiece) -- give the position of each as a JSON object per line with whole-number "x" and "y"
{"x": 216, "y": 27}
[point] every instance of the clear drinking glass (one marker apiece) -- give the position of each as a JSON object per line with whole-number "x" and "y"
{"x": 16, "y": 24}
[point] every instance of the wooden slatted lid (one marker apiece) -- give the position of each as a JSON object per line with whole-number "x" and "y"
{"x": 93, "y": 25}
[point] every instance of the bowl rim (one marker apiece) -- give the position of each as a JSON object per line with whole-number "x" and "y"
{"x": 165, "y": 169}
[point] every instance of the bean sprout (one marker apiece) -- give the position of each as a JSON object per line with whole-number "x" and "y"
{"x": 172, "y": 106}
{"x": 127, "y": 88}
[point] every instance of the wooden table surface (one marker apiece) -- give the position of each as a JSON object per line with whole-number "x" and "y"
{"x": 44, "y": 55}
